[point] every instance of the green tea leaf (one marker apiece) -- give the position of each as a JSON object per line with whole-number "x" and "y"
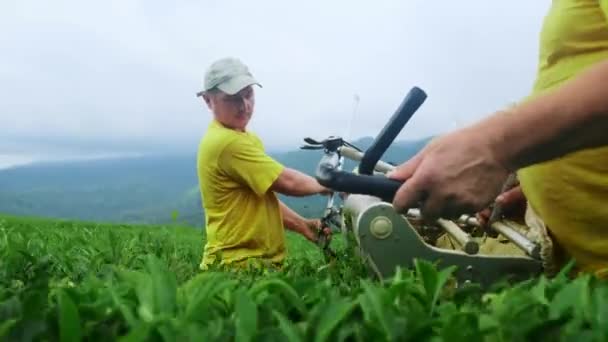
{"x": 6, "y": 326}
{"x": 144, "y": 289}
{"x": 288, "y": 328}
{"x": 164, "y": 286}
{"x": 374, "y": 310}
{"x": 573, "y": 298}
{"x": 279, "y": 286}
{"x": 352, "y": 332}
{"x": 488, "y": 323}
{"x": 246, "y": 316}
{"x": 461, "y": 326}
{"x": 139, "y": 333}
{"x": 69, "y": 320}
{"x": 600, "y": 308}
{"x": 538, "y": 291}
{"x": 432, "y": 280}
{"x": 197, "y": 295}
{"x": 124, "y": 309}
{"x": 335, "y": 313}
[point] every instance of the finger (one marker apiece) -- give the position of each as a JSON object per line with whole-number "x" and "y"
{"x": 409, "y": 195}
{"x": 485, "y": 213}
{"x": 514, "y": 195}
{"x": 451, "y": 213}
{"x": 483, "y": 216}
{"x": 311, "y": 236}
{"x": 452, "y": 206}
{"x": 328, "y": 234}
{"x": 482, "y": 219}
{"x": 432, "y": 208}
{"x": 407, "y": 169}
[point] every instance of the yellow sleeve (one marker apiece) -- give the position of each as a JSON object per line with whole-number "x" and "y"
{"x": 249, "y": 165}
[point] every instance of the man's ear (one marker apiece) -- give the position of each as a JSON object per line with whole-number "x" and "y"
{"x": 207, "y": 99}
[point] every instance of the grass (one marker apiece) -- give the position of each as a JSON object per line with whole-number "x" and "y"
{"x": 71, "y": 281}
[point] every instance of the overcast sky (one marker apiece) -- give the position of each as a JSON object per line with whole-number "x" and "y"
{"x": 125, "y": 72}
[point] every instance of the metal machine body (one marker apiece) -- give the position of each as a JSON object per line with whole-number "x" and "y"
{"x": 387, "y": 239}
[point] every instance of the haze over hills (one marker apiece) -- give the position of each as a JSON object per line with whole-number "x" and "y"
{"x": 143, "y": 189}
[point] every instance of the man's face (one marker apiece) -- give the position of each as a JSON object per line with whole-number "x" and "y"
{"x": 233, "y": 111}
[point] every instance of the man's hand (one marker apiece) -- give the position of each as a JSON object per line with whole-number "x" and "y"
{"x": 513, "y": 202}
{"x": 454, "y": 174}
{"x": 309, "y": 228}
{"x": 312, "y": 232}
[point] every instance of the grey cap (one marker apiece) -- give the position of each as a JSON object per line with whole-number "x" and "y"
{"x": 230, "y": 75}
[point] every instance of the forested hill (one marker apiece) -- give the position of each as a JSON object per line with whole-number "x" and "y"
{"x": 152, "y": 189}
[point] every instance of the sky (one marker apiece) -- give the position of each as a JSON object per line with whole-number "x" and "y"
{"x": 122, "y": 74}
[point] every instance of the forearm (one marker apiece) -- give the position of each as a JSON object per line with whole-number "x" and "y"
{"x": 295, "y": 183}
{"x": 571, "y": 118}
{"x": 306, "y": 185}
{"x": 292, "y": 220}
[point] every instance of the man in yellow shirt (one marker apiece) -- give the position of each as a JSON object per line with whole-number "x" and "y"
{"x": 556, "y": 141}
{"x": 238, "y": 181}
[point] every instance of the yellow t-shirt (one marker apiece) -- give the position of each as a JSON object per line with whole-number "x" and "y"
{"x": 243, "y": 218}
{"x": 570, "y": 194}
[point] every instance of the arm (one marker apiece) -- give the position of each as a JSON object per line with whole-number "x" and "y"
{"x": 298, "y": 224}
{"x": 463, "y": 171}
{"x": 249, "y": 165}
{"x": 295, "y": 183}
{"x": 571, "y": 118}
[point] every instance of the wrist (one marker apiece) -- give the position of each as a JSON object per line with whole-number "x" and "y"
{"x": 323, "y": 190}
{"x": 501, "y": 140}
{"x": 309, "y": 223}
{"x": 306, "y": 229}
{"x": 317, "y": 188}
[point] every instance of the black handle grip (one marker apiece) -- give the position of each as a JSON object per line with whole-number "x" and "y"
{"x": 373, "y": 185}
{"x": 410, "y": 104}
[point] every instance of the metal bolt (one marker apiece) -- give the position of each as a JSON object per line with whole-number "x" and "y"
{"x": 471, "y": 247}
{"x": 381, "y": 227}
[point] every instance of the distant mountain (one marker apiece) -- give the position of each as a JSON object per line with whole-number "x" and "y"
{"x": 150, "y": 189}
{"x": 141, "y": 189}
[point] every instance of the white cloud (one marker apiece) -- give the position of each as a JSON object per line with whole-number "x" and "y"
{"x": 118, "y": 70}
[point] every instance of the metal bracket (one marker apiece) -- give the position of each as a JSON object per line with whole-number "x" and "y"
{"x": 404, "y": 244}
